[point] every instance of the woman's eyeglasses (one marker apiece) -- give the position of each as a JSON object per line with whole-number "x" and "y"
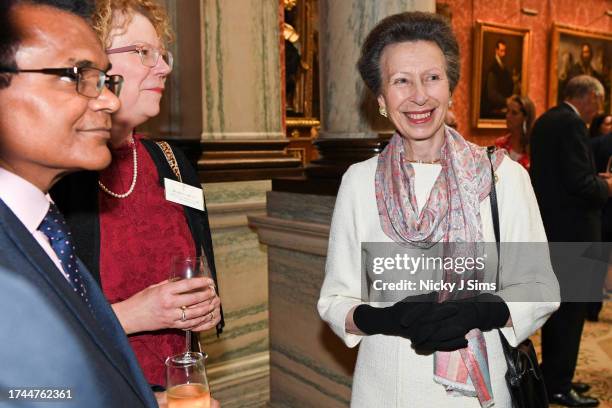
{"x": 149, "y": 55}
{"x": 89, "y": 81}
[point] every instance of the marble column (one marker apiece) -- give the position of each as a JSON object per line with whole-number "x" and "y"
{"x": 240, "y": 108}
{"x": 241, "y": 70}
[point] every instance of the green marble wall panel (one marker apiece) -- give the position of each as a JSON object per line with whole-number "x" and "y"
{"x": 242, "y": 270}
{"x": 309, "y": 365}
{"x": 241, "y": 73}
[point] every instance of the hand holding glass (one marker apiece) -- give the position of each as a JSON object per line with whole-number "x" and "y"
{"x": 187, "y": 268}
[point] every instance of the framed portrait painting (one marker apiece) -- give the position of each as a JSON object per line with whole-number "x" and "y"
{"x": 576, "y": 51}
{"x": 501, "y": 58}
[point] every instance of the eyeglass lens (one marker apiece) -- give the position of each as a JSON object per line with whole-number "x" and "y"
{"x": 91, "y": 82}
{"x": 150, "y": 56}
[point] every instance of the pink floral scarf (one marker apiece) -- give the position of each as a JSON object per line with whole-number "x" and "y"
{"x": 451, "y": 214}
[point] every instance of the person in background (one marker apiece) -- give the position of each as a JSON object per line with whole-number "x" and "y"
{"x": 571, "y": 196}
{"x": 57, "y": 332}
{"x": 519, "y": 121}
{"x": 126, "y": 230}
{"x": 600, "y": 125}
{"x": 601, "y": 143}
{"x": 428, "y": 186}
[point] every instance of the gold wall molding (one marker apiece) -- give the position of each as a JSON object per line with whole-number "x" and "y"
{"x": 241, "y": 135}
{"x": 302, "y": 122}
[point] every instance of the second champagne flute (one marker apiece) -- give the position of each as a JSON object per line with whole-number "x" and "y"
{"x": 188, "y": 268}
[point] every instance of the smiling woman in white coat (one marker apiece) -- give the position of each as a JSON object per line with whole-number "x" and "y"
{"x": 431, "y": 186}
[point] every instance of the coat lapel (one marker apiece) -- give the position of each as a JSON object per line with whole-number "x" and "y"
{"x": 104, "y": 330}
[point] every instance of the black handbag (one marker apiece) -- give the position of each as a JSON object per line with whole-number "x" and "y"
{"x": 524, "y": 377}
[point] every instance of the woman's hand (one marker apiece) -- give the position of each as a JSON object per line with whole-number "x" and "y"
{"x": 401, "y": 319}
{"x": 213, "y": 314}
{"x": 484, "y": 312}
{"x": 163, "y": 305}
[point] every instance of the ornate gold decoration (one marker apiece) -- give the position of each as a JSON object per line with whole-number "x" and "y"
{"x": 289, "y": 4}
{"x": 303, "y": 122}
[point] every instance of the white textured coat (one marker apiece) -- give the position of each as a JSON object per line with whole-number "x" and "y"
{"x": 388, "y": 372}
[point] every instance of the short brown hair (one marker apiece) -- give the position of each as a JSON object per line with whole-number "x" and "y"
{"x": 102, "y": 20}
{"x": 408, "y": 27}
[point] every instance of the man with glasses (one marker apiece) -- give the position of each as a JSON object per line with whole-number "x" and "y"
{"x": 59, "y": 339}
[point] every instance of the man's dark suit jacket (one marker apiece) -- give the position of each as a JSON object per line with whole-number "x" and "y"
{"x": 569, "y": 192}
{"x": 49, "y": 337}
{"x": 497, "y": 88}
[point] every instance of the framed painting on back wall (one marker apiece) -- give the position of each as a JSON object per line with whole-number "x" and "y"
{"x": 577, "y": 51}
{"x": 501, "y": 58}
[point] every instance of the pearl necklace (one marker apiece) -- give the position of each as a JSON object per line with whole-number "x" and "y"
{"x": 424, "y": 161}
{"x": 134, "y": 177}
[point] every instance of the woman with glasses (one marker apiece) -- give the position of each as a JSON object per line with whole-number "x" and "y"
{"x": 126, "y": 230}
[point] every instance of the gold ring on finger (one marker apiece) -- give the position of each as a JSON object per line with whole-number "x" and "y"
{"x": 183, "y": 314}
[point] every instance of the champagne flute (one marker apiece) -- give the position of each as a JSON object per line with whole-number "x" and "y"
{"x": 188, "y": 268}
{"x": 186, "y": 382}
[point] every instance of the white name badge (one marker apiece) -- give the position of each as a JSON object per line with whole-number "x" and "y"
{"x": 184, "y": 194}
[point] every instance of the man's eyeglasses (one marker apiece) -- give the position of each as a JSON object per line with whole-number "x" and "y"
{"x": 149, "y": 55}
{"x": 89, "y": 81}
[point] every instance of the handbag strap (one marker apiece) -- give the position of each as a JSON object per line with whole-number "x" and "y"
{"x": 167, "y": 150}
{"x": 495, "y": 215}
{"x": 494, "y": 211}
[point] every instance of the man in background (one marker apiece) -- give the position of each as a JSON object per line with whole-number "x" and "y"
{"x": 571, "y": 196}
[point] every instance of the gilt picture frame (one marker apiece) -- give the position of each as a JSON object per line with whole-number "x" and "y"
{"x": 501, "y": 60}
{"x": 575, "y": 51}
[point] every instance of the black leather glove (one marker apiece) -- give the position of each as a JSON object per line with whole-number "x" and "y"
{"x": 485, "y": 312}
{"x": 401, "y": 319}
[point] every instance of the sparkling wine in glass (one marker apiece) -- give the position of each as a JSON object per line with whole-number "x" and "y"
{"x": 186, "y": 382}
{"x": 188, "y": 268}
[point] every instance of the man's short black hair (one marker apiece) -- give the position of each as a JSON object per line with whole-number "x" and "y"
{"x": 10, "y": 36}
{"x": 82, "y": 8}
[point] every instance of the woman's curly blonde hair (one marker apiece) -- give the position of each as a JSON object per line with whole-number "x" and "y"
{"x": 103, "y": 22}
